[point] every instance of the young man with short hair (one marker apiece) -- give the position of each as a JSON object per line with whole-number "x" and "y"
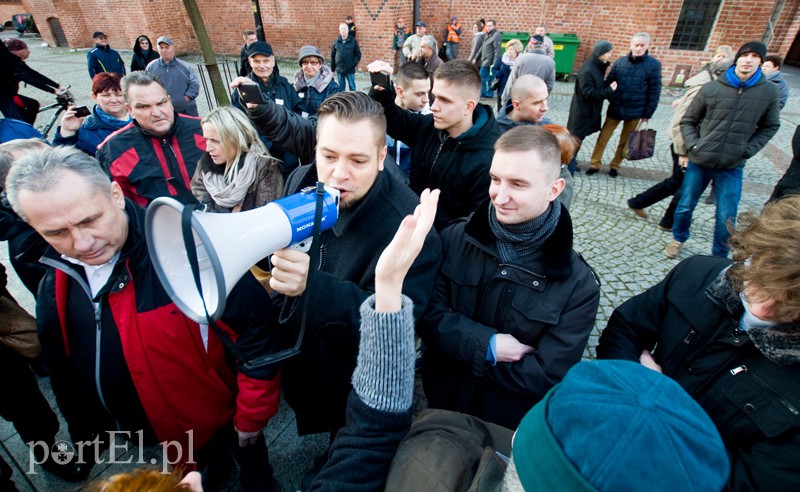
{"x": 730, "y": 120}
{"x": 249, "y": 37}
{"x": 347, "y": 144}
{"x": 513, "y": 303}
{"x": 452, "y": 147}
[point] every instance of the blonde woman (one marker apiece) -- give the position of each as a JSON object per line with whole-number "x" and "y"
{"x": 237, "y": 172}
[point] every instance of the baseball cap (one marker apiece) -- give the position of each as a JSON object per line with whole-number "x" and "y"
{"x": 165, "y": 39}
{"x": 259, "y": 48}
{"x": 99, "y": 34}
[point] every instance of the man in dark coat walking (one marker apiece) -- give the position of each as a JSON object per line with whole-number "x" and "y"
{"x": 635, "y": 99}
{"x": 102, "y": 58}
{"x": 591, "y": 89}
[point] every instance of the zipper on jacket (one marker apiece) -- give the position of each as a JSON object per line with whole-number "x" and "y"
{"x": 743, "y": 369}
{"x": 730, "y": 123}
{"x": 436, "y": 159}
{"x": 689, "y": 336}
{"x": 98, "y": 326}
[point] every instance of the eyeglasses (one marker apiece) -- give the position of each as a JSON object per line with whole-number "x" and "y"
{"x": 313, "y": 63}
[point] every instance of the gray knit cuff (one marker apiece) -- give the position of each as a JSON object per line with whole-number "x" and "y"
{"x": 384, "y": 376}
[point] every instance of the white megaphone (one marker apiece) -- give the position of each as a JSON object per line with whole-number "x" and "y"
{"x": 227, "y": 245}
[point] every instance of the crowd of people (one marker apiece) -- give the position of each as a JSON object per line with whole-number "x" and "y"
{"x": 454, "y": 227}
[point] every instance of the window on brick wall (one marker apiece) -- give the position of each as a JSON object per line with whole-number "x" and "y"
{"x": 694, "y": 24}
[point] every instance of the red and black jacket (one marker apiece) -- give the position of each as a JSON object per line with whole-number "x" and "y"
{"x": 133, "y": 361}
{"x": 142, "y": 163}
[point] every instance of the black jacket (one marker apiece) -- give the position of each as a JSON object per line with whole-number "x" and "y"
{"x": 17, "y": 71}
{"x": 789, "y": 184}
{"x": 547, "y": 300}
{"x": 317, "y": 382}
{"x": 457, "y": 166}
{"x": 724, "y": 125}
{"x": 591, "y": 88}
{"x": 639, "y": 87}
{"x": 345, "y": 55}
{"x": 140, "y": 60}
{"x": 690, "y": 320}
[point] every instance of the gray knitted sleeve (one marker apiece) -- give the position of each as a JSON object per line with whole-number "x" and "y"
{"x": 384, "y": 375}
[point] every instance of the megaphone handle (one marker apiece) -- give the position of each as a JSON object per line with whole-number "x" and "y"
{"x": 191, "y": 255}
{"x": 314, "y": 263}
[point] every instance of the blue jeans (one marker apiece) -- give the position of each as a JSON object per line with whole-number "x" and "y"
{"x": 451, "y": 51}
{"x": 728, "y": 185}
{"x": 486, "y": 82}
{"x": 351, "y": 80}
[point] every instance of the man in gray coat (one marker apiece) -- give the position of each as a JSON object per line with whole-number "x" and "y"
{"x": 491, "y": 51}
{"x": 729, "y": 121}
{"x": 179, "y": 77}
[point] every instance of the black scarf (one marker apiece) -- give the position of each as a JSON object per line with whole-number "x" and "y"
{"x": 516, "y": 240}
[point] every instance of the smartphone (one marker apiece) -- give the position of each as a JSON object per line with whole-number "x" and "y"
{"x": 82, "y": 111}
{"x": 379, "y": 78}
{"x": 249, "y": 93}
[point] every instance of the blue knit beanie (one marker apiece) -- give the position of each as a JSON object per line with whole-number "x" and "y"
{"x": 616, "y": 425}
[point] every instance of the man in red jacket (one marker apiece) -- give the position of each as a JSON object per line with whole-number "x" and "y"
{"x": 123, "y": 358}
{"x": 157, "y": 153}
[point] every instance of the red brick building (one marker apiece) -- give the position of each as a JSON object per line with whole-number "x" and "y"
{"x": 683, "y": 31}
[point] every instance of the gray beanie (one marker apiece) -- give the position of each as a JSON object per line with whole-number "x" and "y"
{"x": 309, "y": 50}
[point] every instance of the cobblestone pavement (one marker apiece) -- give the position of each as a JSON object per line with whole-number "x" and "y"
{"x": 627, "y": 252}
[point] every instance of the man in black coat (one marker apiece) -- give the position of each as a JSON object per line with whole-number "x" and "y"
{"x": 513, "y": 304}
{"x": 591, "y": 89}
{"x": 728, "y": 333}
{"x": 345, "y": 57}
{"x": 635, "y": 99}
{"x": 249, "y": 37}
{"x": 452, "y": 147}
{"x": 350, "y": 152}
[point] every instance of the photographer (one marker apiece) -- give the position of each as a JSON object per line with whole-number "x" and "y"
{"x": 108, "y": 115}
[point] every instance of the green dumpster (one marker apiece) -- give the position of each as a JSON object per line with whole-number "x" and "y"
{"x": 509, "y": 35}
{"x": 565, "y": 47}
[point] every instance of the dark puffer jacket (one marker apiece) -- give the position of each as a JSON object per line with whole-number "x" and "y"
{"x": 458, "y": 166}
{"x": 639, "y": 87}
{"x": 690, "y": 321}
{"x": 345, "y": 55}
{"x": 547, "y": 299}
{"x": 724, "y": 126}
{"x": 591, "y": 88}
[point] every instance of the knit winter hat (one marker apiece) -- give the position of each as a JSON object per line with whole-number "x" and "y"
{"x": 616, "y": 425}
{"x": 601, "y": 48}
{"x": 756, "y": 47}
{"x": 309, "y": 50}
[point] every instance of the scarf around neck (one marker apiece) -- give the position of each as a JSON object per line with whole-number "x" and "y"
{"x": 736, "y": 82}
{"x": 229, "y": 189}
{"x": 517, "y": 240}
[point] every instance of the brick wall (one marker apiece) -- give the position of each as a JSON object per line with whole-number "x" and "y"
{"x": 289, "y": 24}
{"x": 7, "y": 9}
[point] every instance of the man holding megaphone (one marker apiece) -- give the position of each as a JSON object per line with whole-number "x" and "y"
{"x": 123, "y": 358}
{"x": 350, "y": 152}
